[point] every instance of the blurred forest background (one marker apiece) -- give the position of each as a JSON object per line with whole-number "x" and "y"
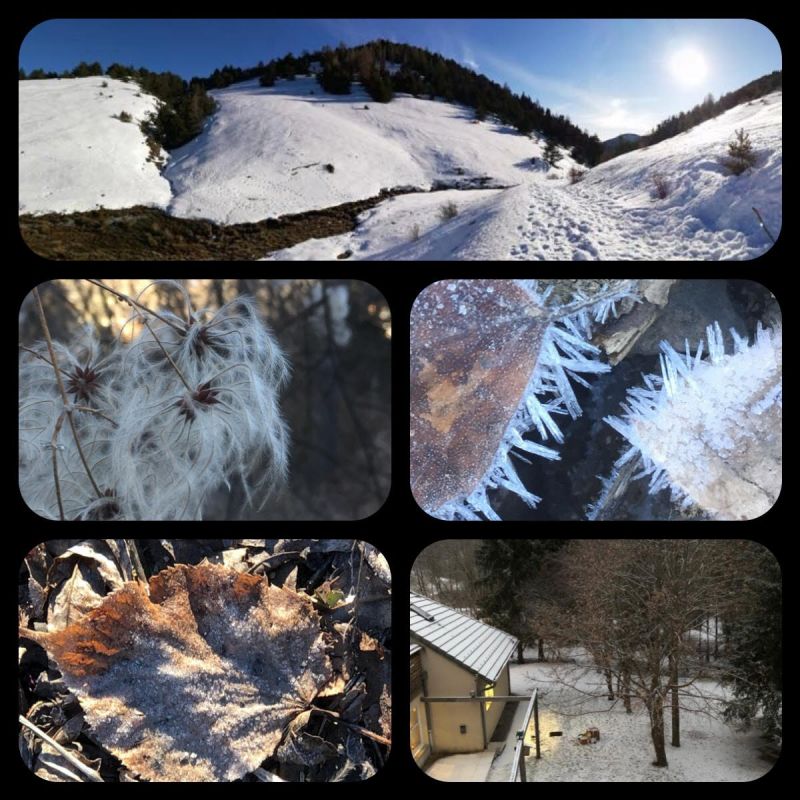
{"x": 336, "y": 335}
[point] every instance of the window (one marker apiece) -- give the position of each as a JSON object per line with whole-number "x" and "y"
{"x": 488, "y": 691}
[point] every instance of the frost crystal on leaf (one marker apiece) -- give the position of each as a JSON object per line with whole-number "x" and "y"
{"x": 710, "y": 429}
{"x": 197, "y": 681}
{"x": 490, "y": 365}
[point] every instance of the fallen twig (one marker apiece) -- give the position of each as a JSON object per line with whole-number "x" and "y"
{"x": 267, "y": 777}
{"x": 89, "y": 773}
{"x": 363, "y": 731}
{"x": 763, "y": 225}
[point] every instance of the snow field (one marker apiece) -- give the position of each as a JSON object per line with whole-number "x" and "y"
{"x": 292, "y": 148}
{"x": 264, "y": 152}
{"x": 74, "y": 155}
{"x": 709, "y": 751}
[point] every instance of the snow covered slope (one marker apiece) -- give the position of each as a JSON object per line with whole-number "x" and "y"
{"x": 265, "y": 150}
{"x": 612, "y": 214}
{"x": 75, "y": 156}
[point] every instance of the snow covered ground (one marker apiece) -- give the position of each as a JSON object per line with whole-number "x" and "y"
{"x": 265, "y": 152}
{"x": 710, "y": 750}
{"x": 612, "y": 214}
{"x": 74, "y": 155}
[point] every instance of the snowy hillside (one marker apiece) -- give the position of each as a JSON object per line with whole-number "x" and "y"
{"x": 75, "y": 155}
{"x": 612, "y": 214}
{"x": 268, "y": 152}
{"x": 265, "y": 150}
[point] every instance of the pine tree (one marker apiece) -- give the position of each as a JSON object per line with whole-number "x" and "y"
{"x": 740, "y": 153}
{"x": 755, "y": 647}
{"x": 551, "y": 154}
{"x": 507, "y": 569}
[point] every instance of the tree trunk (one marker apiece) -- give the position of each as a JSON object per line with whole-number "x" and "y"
{"x": 676, "y": 711}
{"x": 716, "y": 636}
{"x": 708, "y": 639}
{"x": 655, "y": 705}
{"x": 541, "y": 650}
{"x": 610, "y": 684}
{"x": 626, "y": 690}
{"x": 520, "y": 654}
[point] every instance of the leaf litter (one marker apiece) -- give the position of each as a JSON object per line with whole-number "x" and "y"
{"x": 212, "y": 671}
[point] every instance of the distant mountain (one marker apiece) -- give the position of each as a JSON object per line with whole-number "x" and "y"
{"x": 610, "y": 144}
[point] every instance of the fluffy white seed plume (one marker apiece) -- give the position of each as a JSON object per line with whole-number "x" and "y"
{"x": 191, "y": 403}
{"x": 45, "y": 430}
{"x": 710, "y": 429}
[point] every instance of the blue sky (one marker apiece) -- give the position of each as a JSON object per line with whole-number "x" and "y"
{"x": 609, "y": 76}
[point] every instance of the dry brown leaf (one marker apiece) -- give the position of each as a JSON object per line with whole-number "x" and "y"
{"x": 75, "y": 597}
{"x": 303, "y": 748}
{"x": 235, "y": 559}
{"x": 109, "y": 557}
{"x": 197, "y": 681}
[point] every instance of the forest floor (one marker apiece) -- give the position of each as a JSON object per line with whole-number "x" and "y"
{"x": 344, "y": 736}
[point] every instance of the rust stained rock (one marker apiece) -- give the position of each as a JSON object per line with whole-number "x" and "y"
{"x": 197, "y": 681}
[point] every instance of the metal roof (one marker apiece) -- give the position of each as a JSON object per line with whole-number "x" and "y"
{"x": 478, "y": 647}
{"x": 415, "y": 648}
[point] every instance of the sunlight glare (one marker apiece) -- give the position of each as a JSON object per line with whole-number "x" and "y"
{"x": 688, "y": 66}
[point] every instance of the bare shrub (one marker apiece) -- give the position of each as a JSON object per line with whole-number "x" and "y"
{"x": 662, "y": 185}
{"x": 124, "y": 116}
{"x": 576, "y": 175}
{"x": 448, "y": 211}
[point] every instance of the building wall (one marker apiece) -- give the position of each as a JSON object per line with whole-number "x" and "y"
{"x": 446, "y": 679}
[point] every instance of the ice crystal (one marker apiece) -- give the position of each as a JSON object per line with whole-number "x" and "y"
{"x": 492, "y": 366}
{"x": 709, "y": 429}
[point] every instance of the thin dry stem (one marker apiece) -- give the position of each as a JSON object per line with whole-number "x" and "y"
{"x": 376, "y": 737}
{"x": 54, "y": 453}
{"x": 137, "y": 562}
{"x": 89, "y": 773}
{"x": 133, "y": 303}
{"x": 168, "y": 356}
{"x": 64, "y": 398}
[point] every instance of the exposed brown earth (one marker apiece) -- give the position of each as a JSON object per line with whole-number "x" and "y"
{"x": 142, "y": 233}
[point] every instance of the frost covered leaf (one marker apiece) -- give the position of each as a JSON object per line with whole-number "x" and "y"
{"x": 474, "y": 346}
{"x": 197, "y": 681}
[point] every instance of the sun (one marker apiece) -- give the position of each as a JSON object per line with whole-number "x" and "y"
{"x": 688, "y": 66}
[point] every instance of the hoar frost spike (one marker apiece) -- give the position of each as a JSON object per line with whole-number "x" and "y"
{"x": 709, "y": 428}
{"x": 490, "y": 364}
